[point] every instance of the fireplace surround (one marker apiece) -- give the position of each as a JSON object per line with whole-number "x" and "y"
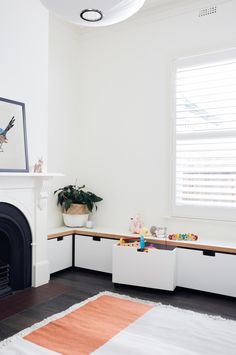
{"x": 23, "y": 228}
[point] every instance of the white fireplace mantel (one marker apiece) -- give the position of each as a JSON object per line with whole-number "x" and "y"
{"x": 41, "y": 184}
{"x": 29, "y": 193}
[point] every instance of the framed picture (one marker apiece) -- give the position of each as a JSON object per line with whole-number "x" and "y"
{"x": 13, "y": 138}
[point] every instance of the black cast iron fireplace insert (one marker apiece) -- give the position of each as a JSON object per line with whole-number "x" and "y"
{"x": 15, "y": 250}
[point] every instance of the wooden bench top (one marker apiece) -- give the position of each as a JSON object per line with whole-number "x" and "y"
{"x": 218, "y": 246}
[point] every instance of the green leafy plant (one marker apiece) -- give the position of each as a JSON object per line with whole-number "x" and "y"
{"x": 71, "y": 194}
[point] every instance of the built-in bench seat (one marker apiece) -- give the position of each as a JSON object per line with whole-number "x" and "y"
{"x": 206, "y": 264}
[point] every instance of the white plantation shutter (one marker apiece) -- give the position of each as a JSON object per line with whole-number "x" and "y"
{"x": 205, "y": 137}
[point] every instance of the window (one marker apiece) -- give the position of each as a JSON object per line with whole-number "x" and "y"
{"x": 205, "y": 137}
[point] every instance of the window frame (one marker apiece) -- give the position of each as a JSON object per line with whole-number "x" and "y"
{"x": 194, "y": 211}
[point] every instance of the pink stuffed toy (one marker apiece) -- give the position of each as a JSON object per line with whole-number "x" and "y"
{"x": 136, "y": 224}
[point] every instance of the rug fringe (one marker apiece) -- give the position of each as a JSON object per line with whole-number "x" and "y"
{"x": 76, "y": 306}
{"x": 168, "y": 306}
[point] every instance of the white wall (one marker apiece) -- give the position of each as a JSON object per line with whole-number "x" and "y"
{"x": 64, "y": 114}
{"x": 24, "y": 66}
{"x": 124, "y": 123}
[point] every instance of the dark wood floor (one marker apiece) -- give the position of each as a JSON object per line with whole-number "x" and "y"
{"x": 72, "y": 286}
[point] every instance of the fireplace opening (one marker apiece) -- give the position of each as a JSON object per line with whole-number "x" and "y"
{"x": 15, "y": 250}
{"x": 5, "y": 288}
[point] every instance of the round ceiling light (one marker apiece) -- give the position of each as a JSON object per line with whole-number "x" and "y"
{"x": 91, "y": 15}
{"x": 93, "y": 12}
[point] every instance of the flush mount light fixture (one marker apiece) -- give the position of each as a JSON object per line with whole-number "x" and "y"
{"x": 91, "y": 15}
{"x": 94, "y": 13}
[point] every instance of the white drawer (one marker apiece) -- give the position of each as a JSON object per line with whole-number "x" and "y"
{"x": 60, "y": 253}
{"x": 94, "y": 253}
{"x": 207, "y": 273}
{"x": 155, "y": 269}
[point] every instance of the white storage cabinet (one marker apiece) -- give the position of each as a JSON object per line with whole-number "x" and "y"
{"x": 94, "y": 253}
{"x": 207, "y": 271}
{"x": 60, "y": 253}
{"x": 155, "y": 269}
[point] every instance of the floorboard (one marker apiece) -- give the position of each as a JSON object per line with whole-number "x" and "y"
{"x": 68, "y": 287}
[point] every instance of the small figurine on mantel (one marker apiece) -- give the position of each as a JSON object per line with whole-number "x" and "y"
{"x": 38, "y": 167}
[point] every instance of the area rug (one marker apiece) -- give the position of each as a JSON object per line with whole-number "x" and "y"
{"x": 111, "y": 324}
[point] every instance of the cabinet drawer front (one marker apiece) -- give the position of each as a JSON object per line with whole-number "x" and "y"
{"x": 94, "y": 253}
{"x": 211, "y": 273}
{"x": 60, "y": 253}
{"x": 155, "y": 269}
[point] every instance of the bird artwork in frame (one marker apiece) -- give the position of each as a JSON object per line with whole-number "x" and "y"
{"x": 3, "y": 133}
{"x": 13, "y": 138}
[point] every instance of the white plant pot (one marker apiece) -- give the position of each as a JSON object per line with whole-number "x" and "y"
{"x": 75, "y": 220}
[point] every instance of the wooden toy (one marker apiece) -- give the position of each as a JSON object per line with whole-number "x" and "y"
{"x": 129, "y": 242}
{"x": 186, "y": 236}
{"x": 122, "y": 241}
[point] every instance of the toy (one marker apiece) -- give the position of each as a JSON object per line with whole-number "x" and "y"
{"x": 38, "y": 167}
{"x": 145, "y": 232}
{"x": 122, "y": 241}
{"x": 129, "y": 242}
{"x": 136, "y": 224}
{"x": 158, "y": 232}
{"x": 186, "y": 236}
{"x": 142, "y": 242}
{"x": 153, "y": 231}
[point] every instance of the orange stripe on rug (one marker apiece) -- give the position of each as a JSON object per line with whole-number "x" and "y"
{"x": 89, "y": 327}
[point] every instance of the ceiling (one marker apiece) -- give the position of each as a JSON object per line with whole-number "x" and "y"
{"x": 165, "y": 3}
{"x": 159, "y": 2}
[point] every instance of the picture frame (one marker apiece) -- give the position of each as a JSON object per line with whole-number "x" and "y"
{"x": 13, "y": 137}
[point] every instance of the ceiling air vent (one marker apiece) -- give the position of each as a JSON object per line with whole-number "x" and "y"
{"x": 207, "y": 11}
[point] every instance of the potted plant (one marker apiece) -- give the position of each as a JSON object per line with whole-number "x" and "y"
{"x": 76, "y": 204}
